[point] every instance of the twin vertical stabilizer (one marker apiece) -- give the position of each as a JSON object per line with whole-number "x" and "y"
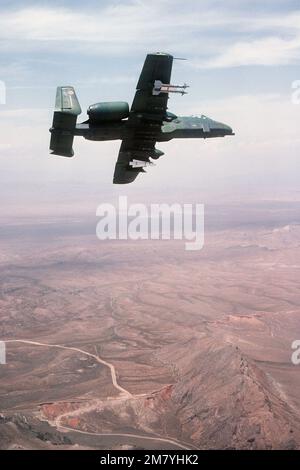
{"x": 67, "y": 108}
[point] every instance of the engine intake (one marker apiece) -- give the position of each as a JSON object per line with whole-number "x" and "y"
{"x": 108, "y": 111}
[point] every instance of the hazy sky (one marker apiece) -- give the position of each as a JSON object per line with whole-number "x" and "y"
{"x": 242, "y": 59}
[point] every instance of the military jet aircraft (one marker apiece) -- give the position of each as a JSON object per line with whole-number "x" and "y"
{"x": 140, "y": 128}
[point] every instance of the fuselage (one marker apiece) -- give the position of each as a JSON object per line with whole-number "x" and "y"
{"x": 181, "y": 127}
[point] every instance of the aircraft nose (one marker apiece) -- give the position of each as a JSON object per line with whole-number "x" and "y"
{"x": 224, "y": 128}
{"x": 219, "y": 127}
{"x": 228, "y": 130}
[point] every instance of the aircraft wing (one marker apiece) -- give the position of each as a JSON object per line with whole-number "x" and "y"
{"x": 157, "y": 67}
{"x": 131, "y": 161}
{"x": 147, "y": 113}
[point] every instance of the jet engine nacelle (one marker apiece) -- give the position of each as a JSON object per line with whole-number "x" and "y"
{"x": 108, "y": 111}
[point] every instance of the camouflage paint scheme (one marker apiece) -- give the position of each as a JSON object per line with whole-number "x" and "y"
{"x": 147, "y": 122}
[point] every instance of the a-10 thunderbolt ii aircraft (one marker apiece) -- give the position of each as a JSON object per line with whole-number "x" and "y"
{"x": 139, "y": 129}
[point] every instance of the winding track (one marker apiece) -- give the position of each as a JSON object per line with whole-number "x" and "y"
{"x": 71, "y": 348}
{"x": 135, "y": 436}
{"x": 123, "y": 392}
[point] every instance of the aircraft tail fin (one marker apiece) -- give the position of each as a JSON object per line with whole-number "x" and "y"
{"x": 67, "y": 108}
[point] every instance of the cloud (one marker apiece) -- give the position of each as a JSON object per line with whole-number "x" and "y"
{"x": 257, "y": 119}
{"x": 266, "y": 51}
{"x": 121, "y": 26}
{"x": 138, "y": 25}
{"x": 15, "y": 69}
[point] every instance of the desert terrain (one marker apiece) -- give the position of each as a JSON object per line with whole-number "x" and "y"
{"x": 141, "y": 344}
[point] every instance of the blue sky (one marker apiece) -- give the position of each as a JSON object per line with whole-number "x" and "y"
{"x": 242, "y": 59}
